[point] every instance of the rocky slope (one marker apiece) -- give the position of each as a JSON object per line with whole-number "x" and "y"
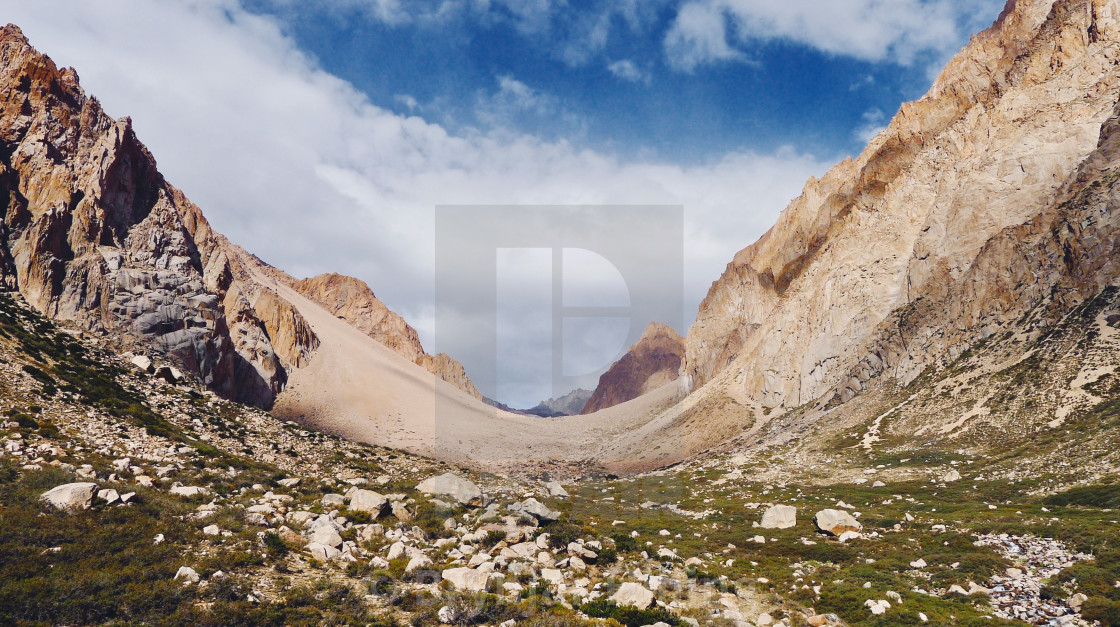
{"x": 956, "y": 220}
{"x": 94, "y": 235}
{"x": 650, "y": 363}
{"x": 353, "y": 301}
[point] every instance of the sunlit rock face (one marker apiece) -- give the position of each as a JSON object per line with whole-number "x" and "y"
{"x": 944, "y": 228}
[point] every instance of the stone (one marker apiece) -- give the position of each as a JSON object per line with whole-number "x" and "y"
{"x": 322, "y": 551}
{"x": 142, "y": 363}
{"x": 539, "y": 510}
{"x": 211, "y": 530}
{"x": 779, "y": 517}
{"x": 836, "y": 522}
{"x": 368, "y": 501}
{"x": 1077, "y": 601}
{"x": 189, "y": 491}
{"x": 290, "y": 482}
{"x": 327, "y": 537}
{"x": 418, "y": 562}
{"x": 951, "y": 476}
{"x": 556, "y": 490}
{"x": 70, "y": 496}
{"x": 918, "y": 563}
{"x": 187, "y": 573}
{"x": 110, "y": 496}
{"x": 451, "y": 485}
{"x": 467, "y": 579}
{"x": 333, "y": 500}
{"x": 553, "y": 576}
{"x": 634, "y": 594}
{"x": 446, "y": 615}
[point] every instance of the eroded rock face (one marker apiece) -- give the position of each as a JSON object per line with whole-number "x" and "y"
{"x": 651, "y": 362}
{"x": 353, "y": 301}
{"x": 956, "y": 219}
{"x": 93, "y": 234}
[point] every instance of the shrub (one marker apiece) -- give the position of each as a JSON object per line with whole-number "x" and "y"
{"x": 628, "y": 615}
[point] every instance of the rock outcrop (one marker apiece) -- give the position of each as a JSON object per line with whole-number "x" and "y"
{"x": 981, "y": 201}
{"x": 353, "y": 301}
{"x": 651, "y": 362}
{"x": 93, "y": 234}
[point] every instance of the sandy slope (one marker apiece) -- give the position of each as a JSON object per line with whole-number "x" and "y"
{"x": 357, "y": 388}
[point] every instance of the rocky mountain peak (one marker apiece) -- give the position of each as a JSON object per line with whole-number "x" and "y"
{"x": 650, "y": 363}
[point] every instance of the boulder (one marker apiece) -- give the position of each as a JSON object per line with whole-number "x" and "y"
{"x": 634, "y": 594}
{"x": 449, "y": 484}
{"x": 539, "y": 510}
{"x": 71, "y": 496}
{"x": 368, "y": 501}
{"x": 418, "y": 562}
{"x": 556, "y": 490}
{"x": 332, "y": 500}
{"x": 780, "y": 517}
{"x": 327, "y": 537}
{"x": 189, "y": 490}
{"x": 142, "y": 363}
{"x": 188, "y": 573}
{"x": 467, "y": 579}
{"x": 836, "y": 522}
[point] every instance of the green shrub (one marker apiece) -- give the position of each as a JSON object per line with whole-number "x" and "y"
{"x": 628, "y": 615}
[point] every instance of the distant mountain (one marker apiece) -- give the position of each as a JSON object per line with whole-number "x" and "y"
{"x": 650, "y": 363}
{"x": 570, "y": 404}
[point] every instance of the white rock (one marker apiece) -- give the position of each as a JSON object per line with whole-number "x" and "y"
{"x": 466, "y": 579}
{"x": 634, "y": 594}
{"x": 836, "y": 522}
{"x": 211, "y": 530}
{"x": 189, "y": 490}
{"x": 188, "y": 573}
{"x": 780, "y": 517}
{"x": 556, "y": 490}
{"x": 368, "y": 501}
{"x": 70, "y": 496}
{"x": 327, "y": 537}
{"x": 142, "y": 363}
{"x": 449, "y": 484}
{"x": 418, "y": 562}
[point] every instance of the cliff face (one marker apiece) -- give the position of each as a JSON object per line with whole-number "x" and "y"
{"x": 93, "y": 234}
{"x": 903, "y": 256}
{"x": 650, "y": 363}
{"x": 353, "y": 301}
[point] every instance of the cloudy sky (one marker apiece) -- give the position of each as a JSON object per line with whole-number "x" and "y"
{"x": 322, "y": 134}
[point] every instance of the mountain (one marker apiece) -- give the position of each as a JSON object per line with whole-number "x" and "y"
{"x": 650, "y": 363}
{"x": 353, "y": 301}
{"x": 570, "y": 404}
{"x": 956, "y": 221}
{"x": 94, "y": 235}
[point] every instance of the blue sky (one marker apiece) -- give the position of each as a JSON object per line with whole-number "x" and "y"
{"x": 322, "y": 134}
{"x": 608, "y": 75}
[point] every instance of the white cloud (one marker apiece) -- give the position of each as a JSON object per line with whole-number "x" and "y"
{"x": 627, "y": 70}
{"x": 710, "y": 31}
{"x": 299, "y": 167}
{"x": 874, "y": 121}
{"x": 699, "y": 36}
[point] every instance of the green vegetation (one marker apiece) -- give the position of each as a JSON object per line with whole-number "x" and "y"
{"x": 628, "y": 615}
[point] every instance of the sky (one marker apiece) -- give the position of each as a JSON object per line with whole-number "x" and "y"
{"x": 322, "y": 134}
